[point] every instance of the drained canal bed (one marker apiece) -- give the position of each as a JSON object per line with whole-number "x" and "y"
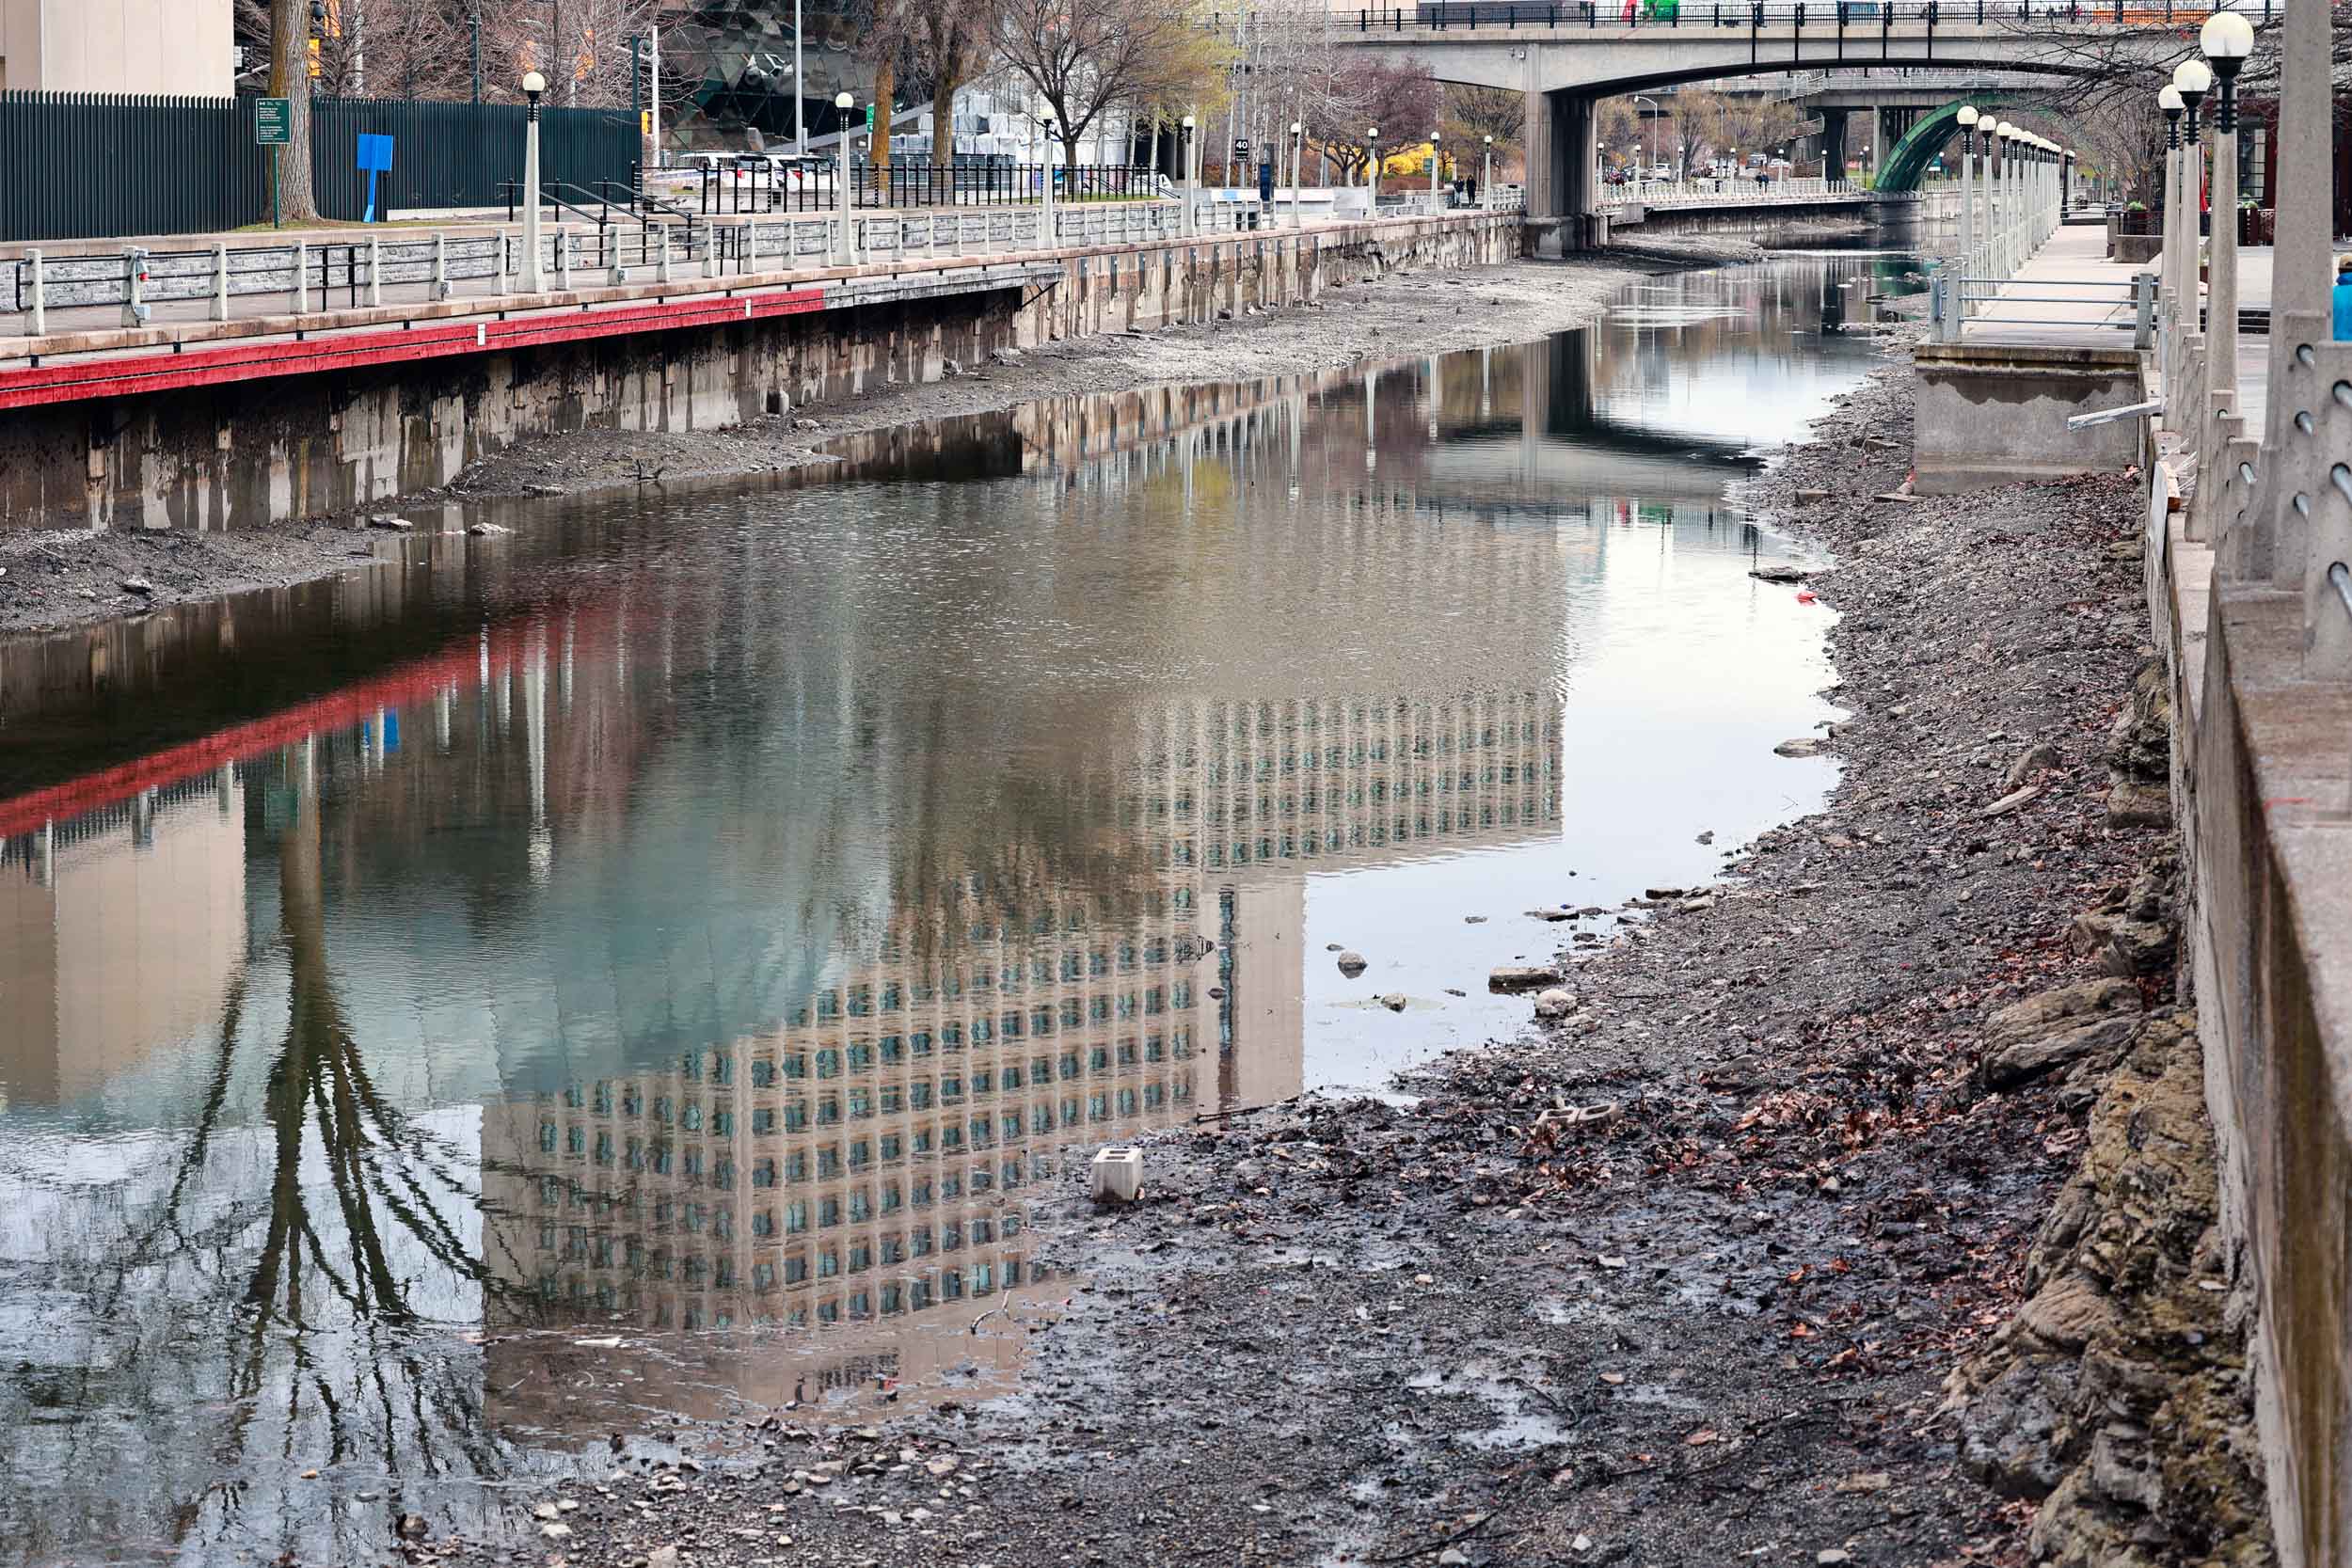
{"x": 632, "y": 966}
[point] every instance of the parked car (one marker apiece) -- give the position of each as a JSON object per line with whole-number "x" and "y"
{"x": 1662, "y": 171}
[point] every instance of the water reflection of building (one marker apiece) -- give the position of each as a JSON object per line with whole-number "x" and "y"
{"x": 121, "y": 932}
{"x": 865, "y": 1163}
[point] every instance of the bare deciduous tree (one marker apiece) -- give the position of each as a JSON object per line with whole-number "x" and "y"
{"x": 1087, "y": 57}
{"x": 1403, "y": 99}
{"x": 1473, "y": 113}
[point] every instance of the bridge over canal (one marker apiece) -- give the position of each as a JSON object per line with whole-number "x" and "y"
{"x": 1567, "y": 54}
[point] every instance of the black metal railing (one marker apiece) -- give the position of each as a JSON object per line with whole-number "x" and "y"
{"x": 762, "y": 185}
{"x": 1758, "y": 15}
{"x": 921, "y": 183}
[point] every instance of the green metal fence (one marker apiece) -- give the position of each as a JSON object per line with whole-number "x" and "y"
{"x": 90, "y": 165}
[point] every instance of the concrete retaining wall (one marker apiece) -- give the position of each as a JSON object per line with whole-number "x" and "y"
{"x": 1995, "y": 414}
{"x": 2262, "y": 777}
{"x": 310, "y": 446}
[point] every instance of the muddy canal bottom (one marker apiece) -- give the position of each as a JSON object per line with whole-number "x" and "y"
{"x": 464, "y": 1016}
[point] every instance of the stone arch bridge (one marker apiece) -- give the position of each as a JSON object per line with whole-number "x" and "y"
{"x": 1567, "y": 54}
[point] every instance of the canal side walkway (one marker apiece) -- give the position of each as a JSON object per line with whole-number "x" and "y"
{"x": 1686, "y": 1276}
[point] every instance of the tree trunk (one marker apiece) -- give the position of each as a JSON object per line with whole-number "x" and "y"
{"x": 289, "y": 79}
{"x": 877, "y": 149}
{"x": 946, "y": 80}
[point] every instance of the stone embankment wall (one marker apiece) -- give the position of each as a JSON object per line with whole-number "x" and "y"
{"x": 2261, "y": 779}
{"x": 294, "y": 447}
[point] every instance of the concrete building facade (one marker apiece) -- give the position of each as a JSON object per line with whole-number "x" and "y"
{"x": 178, "y": 47}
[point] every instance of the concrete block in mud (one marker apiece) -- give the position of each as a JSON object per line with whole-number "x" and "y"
{"x": 1509, "y": 977}
{"x": 1117, "y": 1174}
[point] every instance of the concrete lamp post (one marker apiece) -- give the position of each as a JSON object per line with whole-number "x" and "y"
{"x": 535, "y": 271}
{"x": 2168, "y": 101}
{"x": 1372, "y": 166}
{"x": 1968, "y": 119}
{"x": 2191, "y": 78}
{"x": 1997, "y": 199}
{"x": 1956, "y": 306}
{"x": 1298, "y": 173}
{"x": 842, "y": 104}
{"x": 1486, "y": 178}
{"x": 1183, "y": 157}
{"x": 2227, "y": 38}
{"x": 1045, "y": 185}
{"x": 1433, "y": 161}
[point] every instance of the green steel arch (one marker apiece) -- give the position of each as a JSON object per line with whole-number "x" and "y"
{"x": 1906, "y": 162}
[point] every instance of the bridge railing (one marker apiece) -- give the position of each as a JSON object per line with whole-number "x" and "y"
{"x": 1709, "y": 191}
{"x": 1839, "y": 16}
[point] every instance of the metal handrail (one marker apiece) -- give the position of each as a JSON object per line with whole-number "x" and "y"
{"x": 1837, "y": 17}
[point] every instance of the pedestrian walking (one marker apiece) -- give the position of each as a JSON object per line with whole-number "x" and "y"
{"x": 2342, "y": 298}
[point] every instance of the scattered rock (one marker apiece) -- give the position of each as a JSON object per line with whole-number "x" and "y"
{"x": 1394, "y": 1001}
{"x": 1511, "y": 977}
{"x": 2039, "y": 1014}
{"x": 137, "y": 585}
{"x": 2132, "y": 804}
{"x": 1781, "y": 574}
{"x": 2036, "y": 760}
{"x": 2020, "y": 1062}
{"x": 1804, "y": 746}
{"x": 544, "y": 489}
{"x": 1351, "y": 963}
{"x": 2125, "y": 947}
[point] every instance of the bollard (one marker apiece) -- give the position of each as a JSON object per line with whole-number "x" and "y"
{"x": 2143, "y": 309}
{"x": 563, "y": 238}
{"x": 220, "y": 282}
{"x": 751, "y": 246}
{"x": 663, "y": 274}
{"x": 710, "y": 250}
{"x": 135, "y": 310}
{"x": 619, "y": 273}
{"x": 441, "y": 266}
{"x": 302, "y": 278}
{"x": 375, "y": 271}
{"x": 40, "y": 295}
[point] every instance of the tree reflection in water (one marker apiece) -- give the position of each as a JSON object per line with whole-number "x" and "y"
{"x": 281, "y": 1289}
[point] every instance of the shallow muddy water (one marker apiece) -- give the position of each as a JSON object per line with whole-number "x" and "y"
{"x": 550, "y": 981}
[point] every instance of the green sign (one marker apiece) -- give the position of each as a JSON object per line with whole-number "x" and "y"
{"x": 869, "y": 117}
{"x": 273, "y": 122}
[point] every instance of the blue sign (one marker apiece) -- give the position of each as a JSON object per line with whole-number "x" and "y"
{"x": 376, "y": 158}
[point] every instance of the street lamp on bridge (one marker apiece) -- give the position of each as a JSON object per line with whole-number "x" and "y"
{"x": 2227, "y": 38}
{"x": 534, "y": 274}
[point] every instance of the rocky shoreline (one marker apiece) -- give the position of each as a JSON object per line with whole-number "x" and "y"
{"x": 1850, "y": 1210}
